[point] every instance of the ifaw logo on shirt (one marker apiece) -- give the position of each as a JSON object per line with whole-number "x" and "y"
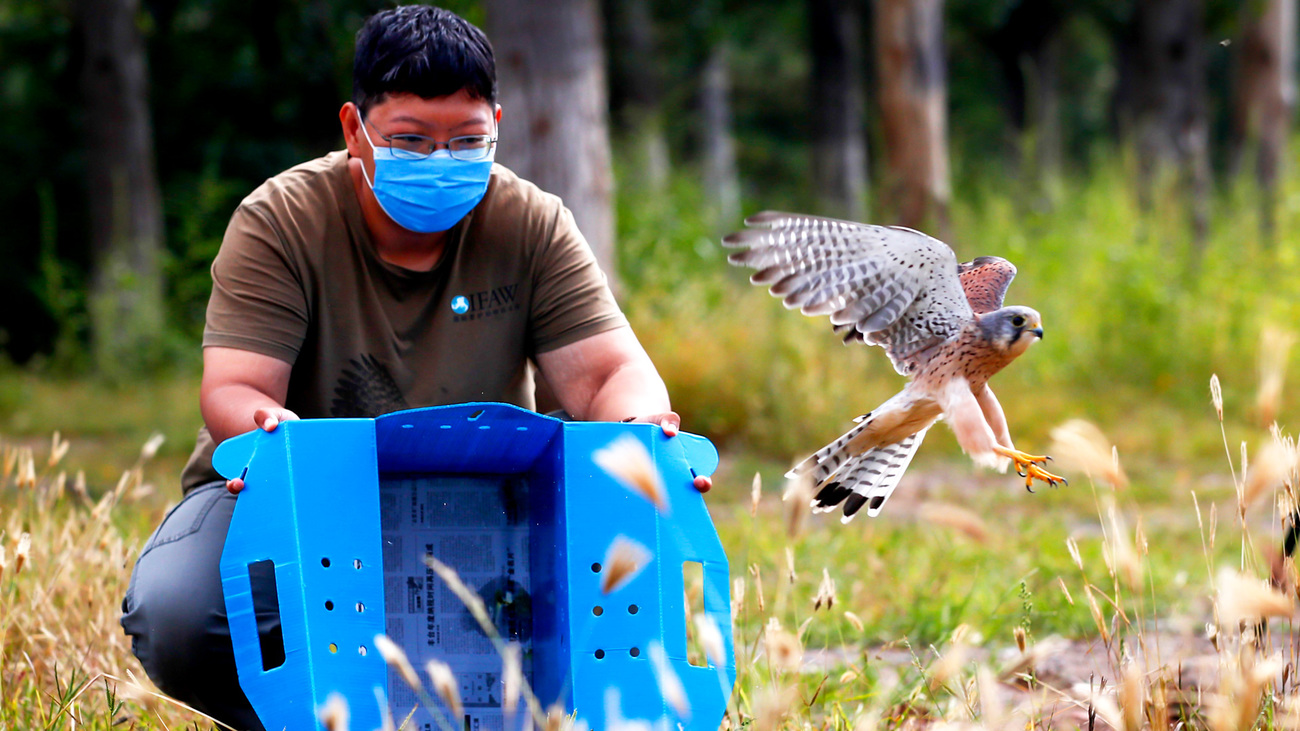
{"x": 488, "y": 303}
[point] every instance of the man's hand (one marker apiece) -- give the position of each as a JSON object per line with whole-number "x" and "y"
{"x": 671, "y": 423}
{"x": 266, "y": 419}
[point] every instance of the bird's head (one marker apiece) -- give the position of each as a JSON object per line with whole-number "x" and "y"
{"x": 1012, "y": 329}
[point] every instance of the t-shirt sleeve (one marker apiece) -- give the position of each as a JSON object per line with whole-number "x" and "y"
{"x": 571, "y": 296}
{"x": 258, "y": 301}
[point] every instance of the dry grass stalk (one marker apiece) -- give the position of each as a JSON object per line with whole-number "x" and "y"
{"x": 789, "y": 565}
{"x": 623, "y": 561}
{"x": 1065, "y": 590}
{"x": 957, "y": 518}
{"x": 993, "y": 712}
{"x": 512, "y": 671}
{"x": 1073, "y": 547}
{"x": 1132, "y": 698}
{"x": 1236, "y": 706}
{"x": 797, "y": 496}
{"x": 1125, "y": 559}
{"x": 1080, "y": 445}
{"x": 1097, "y": 617}
{"x": 755, "y": 494}
{"x": 396, "y": 658}
{"x": 670, "y": 686}
{"x": 1274, "y": 349}
{"x": 784, "y": 650}
{"x": 1242, "y": 599}
{"x": 446, "y": 686}
{"x": 758, "y": 586}
{"x": 628, "y": 461}
{"x": 737, "y": 596}
{"x": 951, "y": 661}
{"x": 825, "y": 592}
{"x": 26, "y": 476}
{"x": 334, "y": 715}
{"x": 710, "y": 637}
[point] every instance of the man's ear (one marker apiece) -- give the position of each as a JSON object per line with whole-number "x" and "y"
{"x": 350, "y": 121}
{"x": 497, "y": 115}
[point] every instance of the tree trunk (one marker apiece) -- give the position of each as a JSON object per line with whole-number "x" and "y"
{"x": 1264, "y": 94}
{"x": 554, "y": 114}
{"x": 839, "y": 137}
{"x": 1027, "y": 46}
{"x": 913, "y": 110}
{"x": 126, "y": 223}
{"x": 635, "y": 89}
{"x": 721, "y": 178}
{"x": 1170, "y": 116}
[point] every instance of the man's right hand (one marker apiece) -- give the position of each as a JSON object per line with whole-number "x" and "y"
{"x": 266, "y": 419}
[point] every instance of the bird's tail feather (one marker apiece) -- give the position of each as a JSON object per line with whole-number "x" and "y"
{"x": 827, "y": 461}
{"x": 868, "y": 479}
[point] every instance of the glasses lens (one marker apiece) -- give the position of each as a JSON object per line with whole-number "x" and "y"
{"x": 471, "y": 147}
{"x": 410, "y": 147}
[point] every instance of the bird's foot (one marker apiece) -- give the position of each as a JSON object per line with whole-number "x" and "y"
{"x": 1027, "y": 466}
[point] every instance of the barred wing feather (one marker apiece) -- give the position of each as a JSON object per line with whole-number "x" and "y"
{"x": 883, "y": 285}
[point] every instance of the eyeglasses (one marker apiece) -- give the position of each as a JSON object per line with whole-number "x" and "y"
{"x": 418, "y": 147}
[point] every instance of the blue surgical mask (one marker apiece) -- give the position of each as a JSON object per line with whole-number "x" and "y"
{"x": 430, "y": 194}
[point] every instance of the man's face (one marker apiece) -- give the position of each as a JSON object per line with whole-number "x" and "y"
{"x": 440, "y": 118}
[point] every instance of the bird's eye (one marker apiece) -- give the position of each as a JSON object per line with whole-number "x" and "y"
{"x": 1018, "y": 321}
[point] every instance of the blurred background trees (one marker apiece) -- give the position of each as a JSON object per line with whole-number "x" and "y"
{"x": 132, "y": 128}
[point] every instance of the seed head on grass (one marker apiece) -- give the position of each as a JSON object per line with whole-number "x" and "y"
{"x": 755, "y": 494}
{"x": 1080, "y": 445}
{"x": 397, "y": 659}
{"x": 22, "y": 552}
{"x": 334, "y": 714}
{"x": 628, "y": 461}
{"x": 624, "y": 559}
{"x": 952, "y": 660}
{"x": 825, "y": 592}
{"x": 1270, "y": 469}
{"x": 1132, "y": 698}
{"x": 784, "y": 650}
{"x": 957, "y": 518}
{"x": 772, "y": 706}
{"x": 1123, "y": 559}
{"x": 1274, "y": 348}
{"x": 445, "y": 685}
{"x": 710, "y": 637}
{"x": 1236, "y": 706}
{"x": 670, "y": 686}
{"x": 854, "y": 620}
{"x": 1216, "y": 395}
{"x": 1243, "y": 599}
{"x": 797, "y": 496}
{"x": 151, "y": 446}
{"x": 58, "y": 449}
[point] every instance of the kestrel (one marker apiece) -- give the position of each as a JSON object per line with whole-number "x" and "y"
{"x": 941, "y": 323}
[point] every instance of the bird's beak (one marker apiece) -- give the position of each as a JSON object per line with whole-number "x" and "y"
{"x": 1038, "y": 331}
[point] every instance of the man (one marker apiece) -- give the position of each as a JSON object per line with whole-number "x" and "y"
{"x": 408, "y": 271}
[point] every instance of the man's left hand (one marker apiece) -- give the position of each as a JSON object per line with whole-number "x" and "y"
{"x": 671, "y": 423}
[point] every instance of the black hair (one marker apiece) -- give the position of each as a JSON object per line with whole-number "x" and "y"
{"x": 421, "y": 50}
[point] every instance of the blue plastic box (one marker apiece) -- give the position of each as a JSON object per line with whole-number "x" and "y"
{"x": 343, "y": 510}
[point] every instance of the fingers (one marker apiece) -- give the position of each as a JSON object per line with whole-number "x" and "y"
{"x": 268, "y": 419}
{"x": 235, "y": 486}
{"x": 703, "y": 484}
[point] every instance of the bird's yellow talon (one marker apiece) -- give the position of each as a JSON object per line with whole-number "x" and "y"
{"x": 1027, "y": 467}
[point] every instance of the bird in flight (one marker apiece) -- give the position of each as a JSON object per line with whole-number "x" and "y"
{"x": 941, "y": 323}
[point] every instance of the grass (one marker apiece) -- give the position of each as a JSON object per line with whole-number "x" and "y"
{"x": 931, "y": 601}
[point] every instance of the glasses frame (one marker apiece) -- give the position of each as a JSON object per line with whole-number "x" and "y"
{"x": 398, "y": 152}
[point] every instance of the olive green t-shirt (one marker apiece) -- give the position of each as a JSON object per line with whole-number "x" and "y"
{"x": 298, "y": 278}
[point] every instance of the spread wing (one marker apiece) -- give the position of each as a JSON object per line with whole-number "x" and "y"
{"x": 985, "y": 281}
{"x": 883, "y": 285}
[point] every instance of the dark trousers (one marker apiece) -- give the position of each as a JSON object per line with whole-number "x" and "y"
{"x": 175, "y": 612}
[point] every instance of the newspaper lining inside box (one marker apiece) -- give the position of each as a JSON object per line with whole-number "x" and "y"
{"x": 478, "y": 525}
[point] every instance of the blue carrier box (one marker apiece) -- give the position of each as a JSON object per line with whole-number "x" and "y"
{"x": 339, "y": 514}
